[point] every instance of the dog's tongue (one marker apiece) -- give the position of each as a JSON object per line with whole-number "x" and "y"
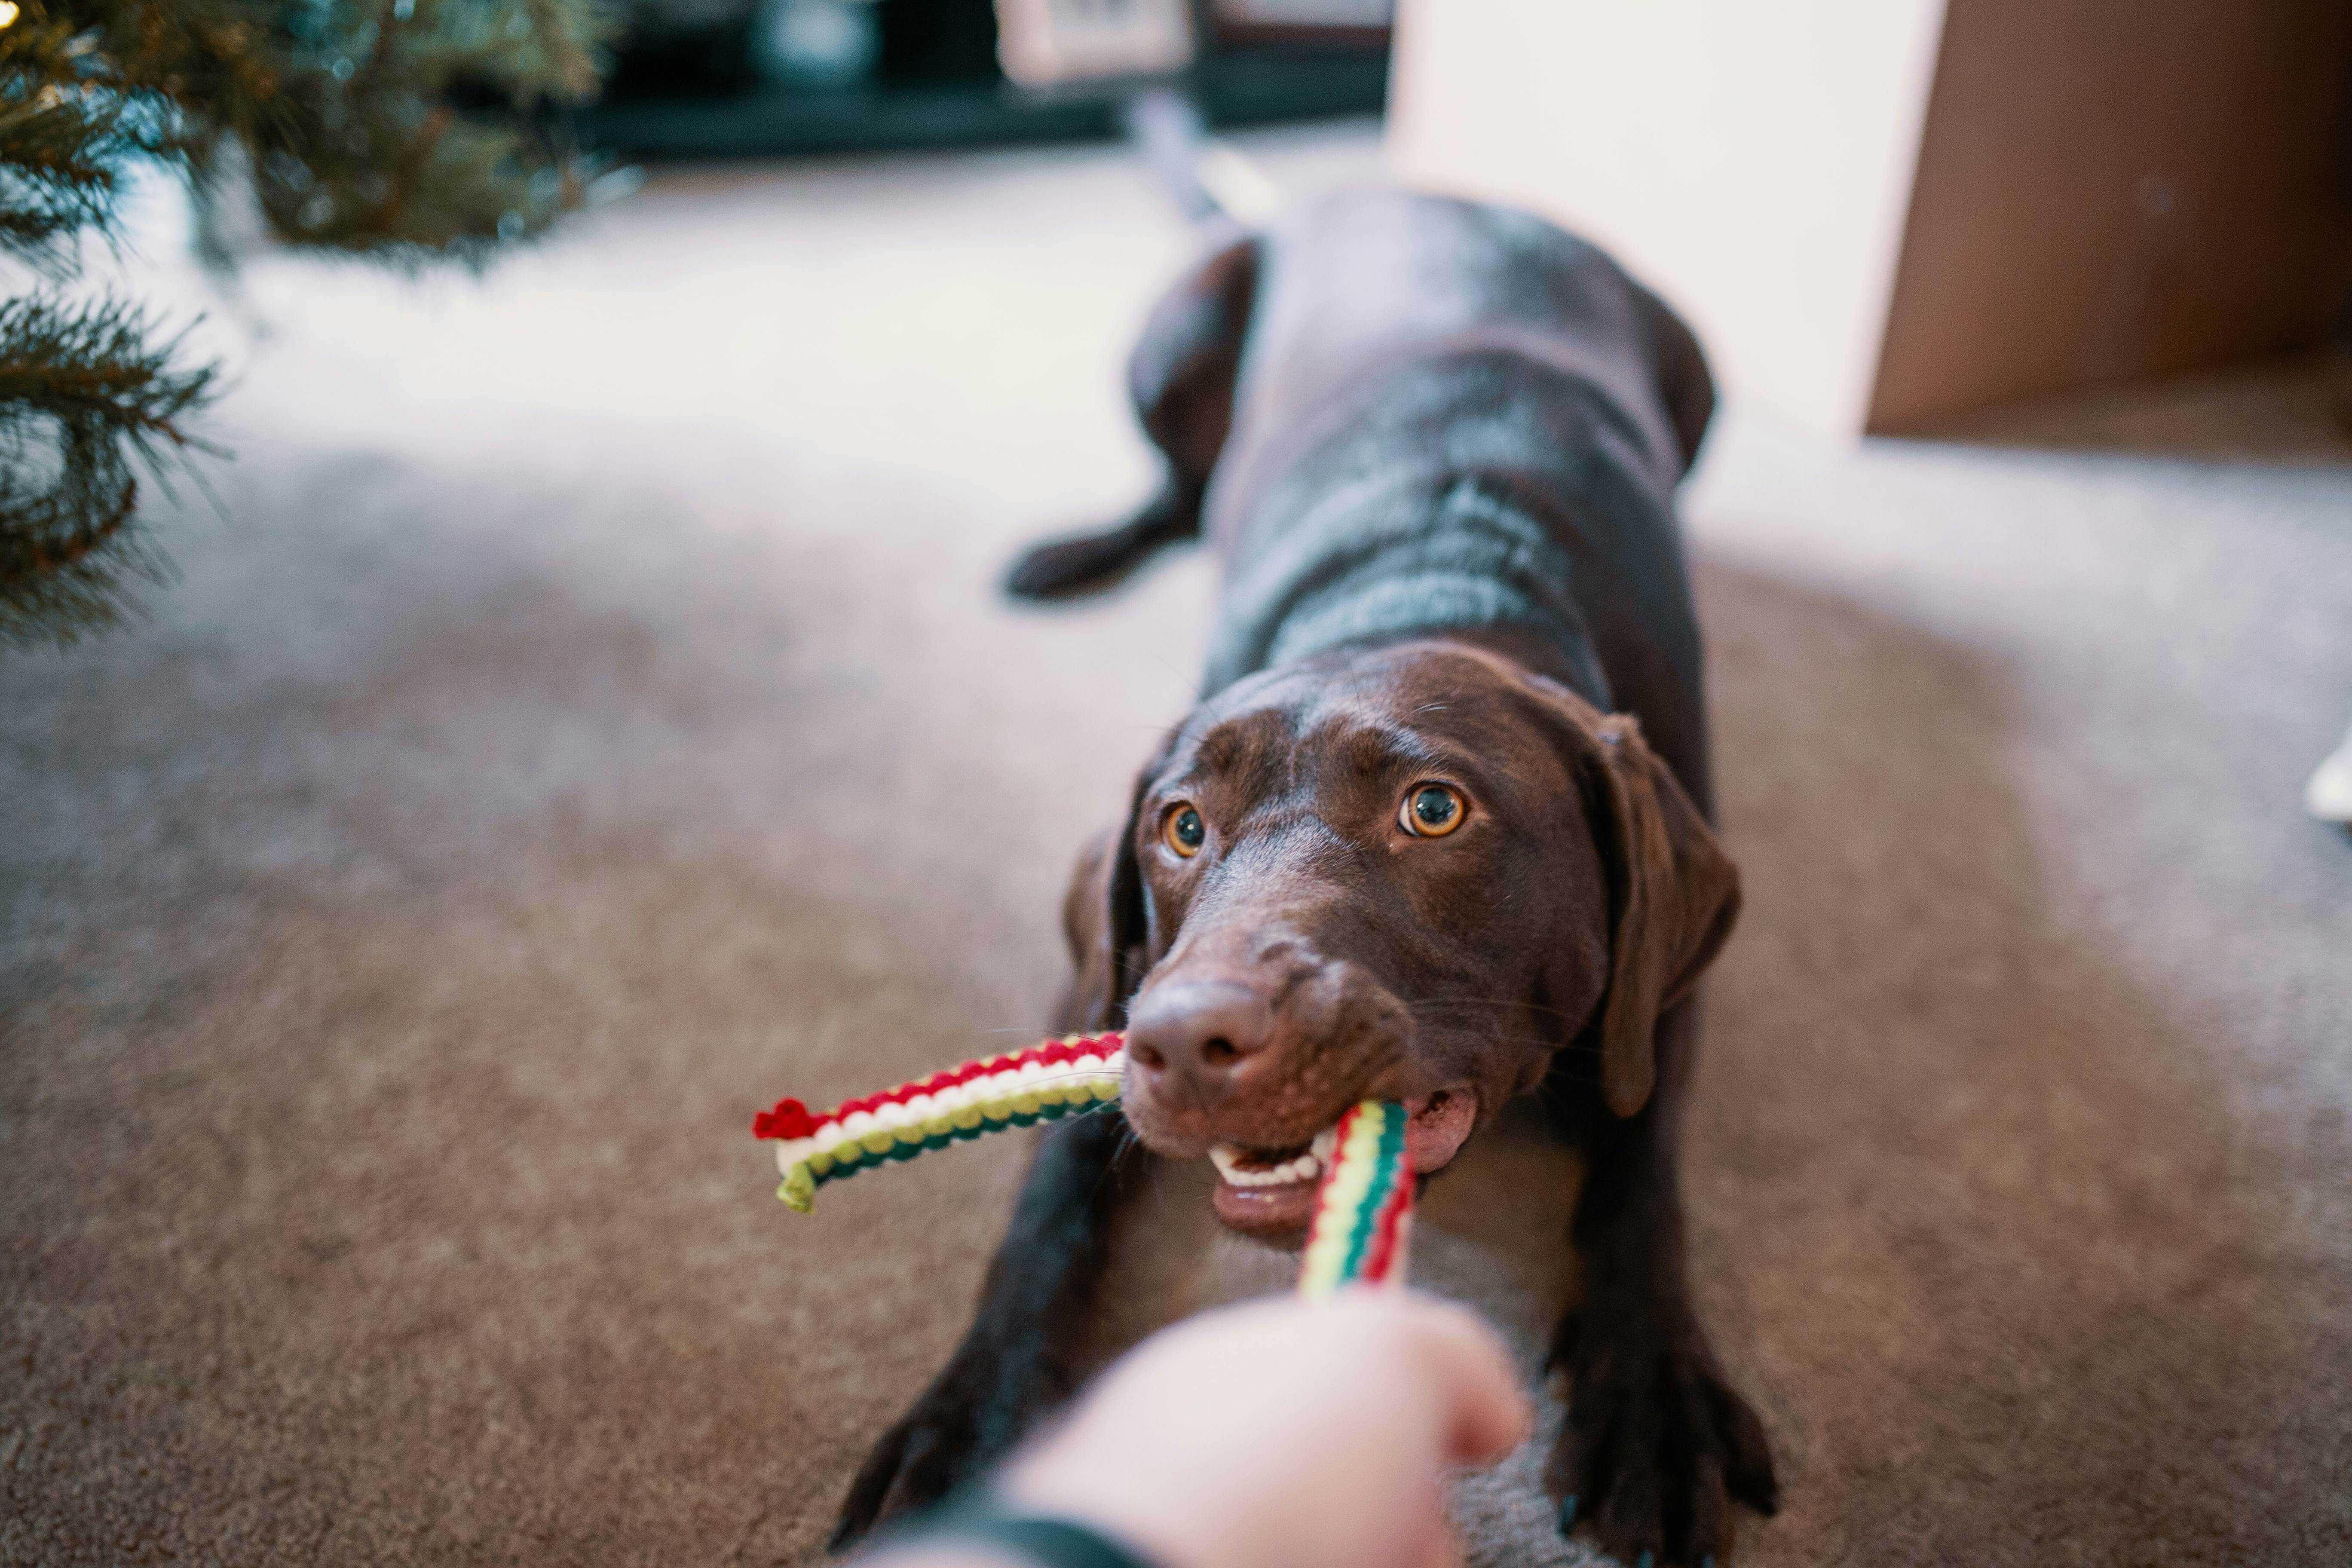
{"x": 1437, "y": 1123}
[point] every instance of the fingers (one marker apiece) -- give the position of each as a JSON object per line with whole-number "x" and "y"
{"x": 1287, "y": 1432}
{"x": 1439, "y": 1547}
{"x": 1409, "y": 1347}
{"x": 1487, "y": 1415}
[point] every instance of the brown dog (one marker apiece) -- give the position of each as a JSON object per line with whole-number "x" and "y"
{"x": 1438, "y": 834}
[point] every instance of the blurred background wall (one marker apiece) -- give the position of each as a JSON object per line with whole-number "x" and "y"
{"x": 735, "y": 78}
{"x": 1885, "y": 214}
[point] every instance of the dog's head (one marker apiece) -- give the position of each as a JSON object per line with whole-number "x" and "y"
{"x": 1410, "y": 875}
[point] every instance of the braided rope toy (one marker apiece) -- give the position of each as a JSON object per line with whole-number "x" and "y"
{"x": 1364, "y": 1210}
{"x": 1363, "y": 1207}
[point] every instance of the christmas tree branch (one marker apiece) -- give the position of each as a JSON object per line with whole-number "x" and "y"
{"x": 87, "y": 402}
{"x": 403, "y": 130}
{"x": 61, "y": 146}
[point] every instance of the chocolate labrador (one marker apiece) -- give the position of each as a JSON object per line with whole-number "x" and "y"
{"x": 1438, "y": 834}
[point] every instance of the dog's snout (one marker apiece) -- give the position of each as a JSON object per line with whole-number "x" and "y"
{"x": 1198, "y": 1034}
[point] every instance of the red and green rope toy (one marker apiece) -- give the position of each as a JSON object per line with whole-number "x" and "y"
{"x": 1363, "y": 1208}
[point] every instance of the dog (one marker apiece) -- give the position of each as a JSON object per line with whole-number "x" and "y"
{"x": 1438, "y": 833}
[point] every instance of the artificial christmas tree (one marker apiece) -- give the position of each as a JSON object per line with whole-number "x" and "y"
{"x": 411, "y": 131}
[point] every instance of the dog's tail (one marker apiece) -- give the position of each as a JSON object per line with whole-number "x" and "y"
{"x": 1181, "y": 373}
{"x": 1213, "y": 182}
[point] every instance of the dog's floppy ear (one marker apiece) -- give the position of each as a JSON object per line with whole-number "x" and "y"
{"x": 1673, "y": 896}
{"x": 1104, "y": 919}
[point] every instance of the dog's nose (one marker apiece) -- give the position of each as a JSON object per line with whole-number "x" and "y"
{"x": 1196, "y": 1035}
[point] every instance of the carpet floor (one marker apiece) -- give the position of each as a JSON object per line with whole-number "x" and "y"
{"x": 587, "y": 715}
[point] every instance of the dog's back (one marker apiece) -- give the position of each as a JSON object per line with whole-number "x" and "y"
{"x": 1451, "y": 416}
{"x": 1400, "y": 415}
{"x": 1365, "y": 279}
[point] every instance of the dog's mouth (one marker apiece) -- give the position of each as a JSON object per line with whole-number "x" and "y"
{"x": 1270, "y": 1193}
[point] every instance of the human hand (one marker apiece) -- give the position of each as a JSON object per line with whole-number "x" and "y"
{"x": 1283, "y": 1433}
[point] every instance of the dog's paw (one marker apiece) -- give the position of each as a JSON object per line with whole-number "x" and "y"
{"x": 1656, "y": 1451}
{"x": 926, "y": 1455}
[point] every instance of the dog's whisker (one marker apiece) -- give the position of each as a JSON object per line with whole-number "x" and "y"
{"x": 1492, "y": 1002}
{"x": 1551, "y": 1043}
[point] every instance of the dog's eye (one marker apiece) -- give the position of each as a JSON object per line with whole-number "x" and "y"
{"x": 1183, "y": 829}
{"x": 1432, "y": 811}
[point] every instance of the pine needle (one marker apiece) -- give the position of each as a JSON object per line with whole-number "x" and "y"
{"x": 409, "y": 132}
{"x": 112, "y": 404}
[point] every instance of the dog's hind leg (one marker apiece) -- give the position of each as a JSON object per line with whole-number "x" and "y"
{"x": 1181, "y": 378}
{"x": 1088, "y": 562}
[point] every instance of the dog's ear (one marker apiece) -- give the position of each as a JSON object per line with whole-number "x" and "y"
{"x": 1673, "y": 892}
{"x": 1104, "y": 921}
{"x": 1674, "y": 896}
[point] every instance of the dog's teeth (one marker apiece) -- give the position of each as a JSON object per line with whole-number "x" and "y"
{"x": 1326, "y": 1144}
{"x": 1307, "y": 1167}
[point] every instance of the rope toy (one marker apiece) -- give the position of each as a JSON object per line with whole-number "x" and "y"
{"x": 1363, "y": 1206}
{"x": 1364, "y": 1210}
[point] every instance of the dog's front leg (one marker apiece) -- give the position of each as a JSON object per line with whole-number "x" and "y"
{"x": 1657, "y": 1444}
{"x": 1019, "y": 1359}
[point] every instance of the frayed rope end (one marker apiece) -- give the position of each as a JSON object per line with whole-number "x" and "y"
{"x": 790, "y": 1118}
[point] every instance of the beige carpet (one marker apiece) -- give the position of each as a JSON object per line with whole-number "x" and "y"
{"x": 592, "y": 718}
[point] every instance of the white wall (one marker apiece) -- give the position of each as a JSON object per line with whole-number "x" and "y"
{"x": 1750, "y": 159}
